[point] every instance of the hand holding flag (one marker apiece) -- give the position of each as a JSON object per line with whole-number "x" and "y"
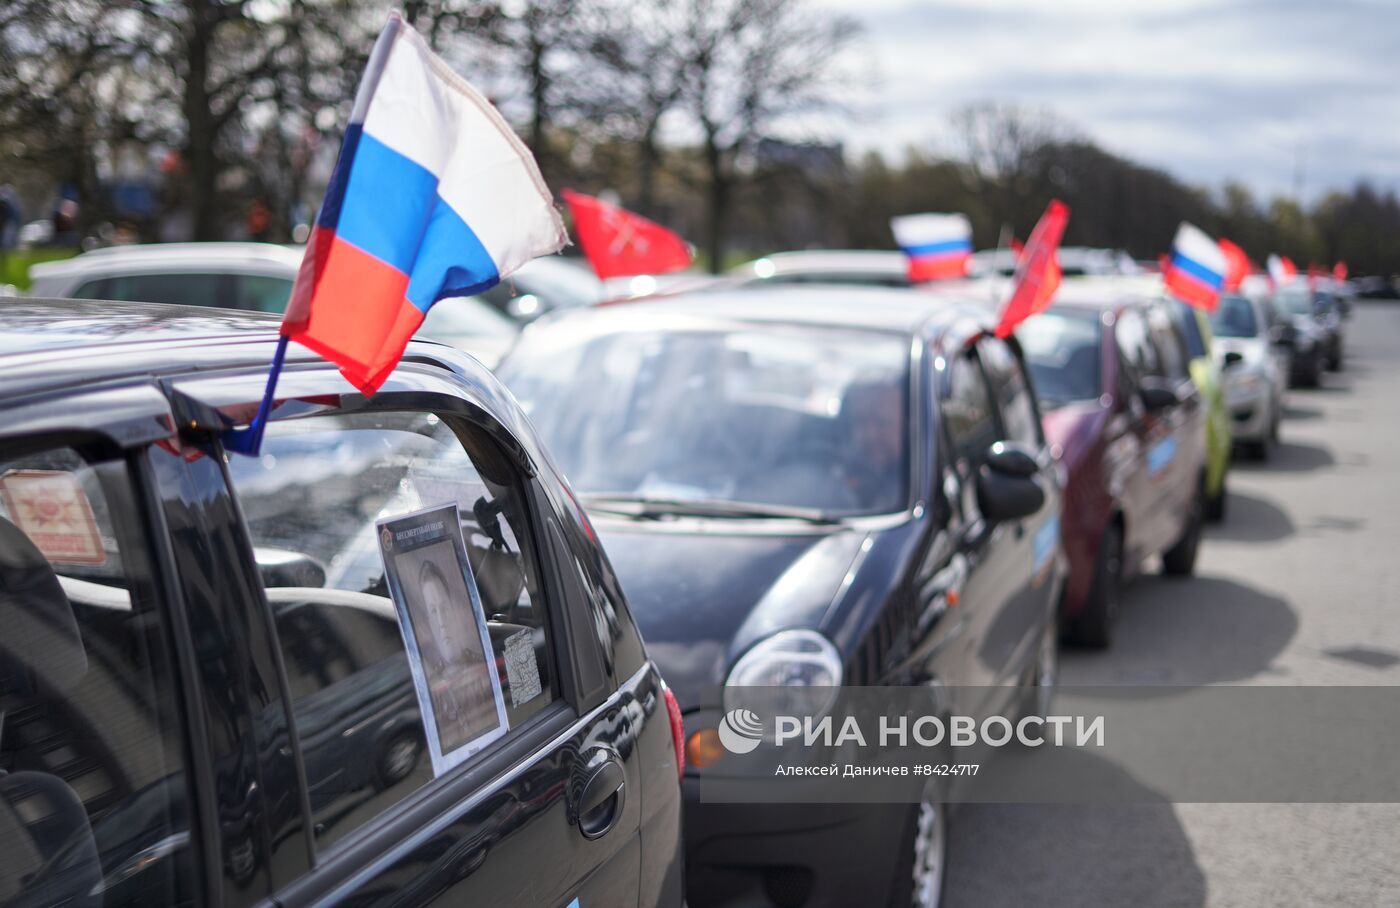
{"x": 1038, "y": 270}
{"x": 432, "y": 196}
{"x": 618, "y": 243}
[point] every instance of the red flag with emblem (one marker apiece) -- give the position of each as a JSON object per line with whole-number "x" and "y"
{"x": 1236, "y": 265}
{"x": 1038, "y": 271}
{"x": 1339, "y": 271}
{"x": 619, "y": 243}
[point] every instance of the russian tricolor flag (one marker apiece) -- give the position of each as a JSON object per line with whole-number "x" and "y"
{"x": 433, "y": 196}
{"x": 938, "y": 246}
{"x": 1196, "y": 270}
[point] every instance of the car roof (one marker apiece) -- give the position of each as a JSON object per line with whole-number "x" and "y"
{"x": 833, "y": 260}
{"x": 891, "y": 310}
{"x": 51, "y": 344}
{"x": 172, "y": 255}
{"x": 1109, "y": 292}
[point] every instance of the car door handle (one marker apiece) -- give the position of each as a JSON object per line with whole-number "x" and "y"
{"x": 600, "y": 797}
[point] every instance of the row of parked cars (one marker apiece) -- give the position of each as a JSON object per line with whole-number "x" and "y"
{"x": 206, "y": 696}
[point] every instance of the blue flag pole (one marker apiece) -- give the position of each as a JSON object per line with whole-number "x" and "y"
{"x": 249, "y": 441}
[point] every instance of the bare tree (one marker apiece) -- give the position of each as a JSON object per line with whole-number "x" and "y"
{"x": 748, "y": 65}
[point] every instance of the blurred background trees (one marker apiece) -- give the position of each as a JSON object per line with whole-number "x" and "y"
{"x": 127, "y": 120}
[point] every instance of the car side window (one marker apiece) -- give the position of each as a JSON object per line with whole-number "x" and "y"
{"x": 260, "y": 293}
{"x": 1134, "y": 346}
{"x": 311, "y": 502}
{"x": 1171, "y": 349}
{"x": 968, "y": 410}
{"x": 173, "y": 289}
{"x": 1011, "y": 391}
{"x": 94, "y": 807}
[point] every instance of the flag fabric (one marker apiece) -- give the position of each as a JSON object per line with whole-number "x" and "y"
{"x": 1339, "y": 271}
{"x": 432, "y": 196}
{"x": 618, "y": 243}
{"x": 1281, "y": 269}
{"x": 1038, "y": 271}
{"x": 938, "y": 246}
{"x": 1196, "y": 270}
{"x": 1236, "y": 265}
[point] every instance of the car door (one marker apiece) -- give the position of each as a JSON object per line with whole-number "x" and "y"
{"x": 995, "y": 574}
{"x": 1035, "y": 540}
{"x": 1147, "y": 450}
{"x": 549, "y": 813}
{"x": 1182, "y": 472}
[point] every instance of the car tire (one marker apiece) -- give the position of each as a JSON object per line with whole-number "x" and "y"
{"x": 1093, "y": 626}
{"x": 924, "y": 865}
{"x": 1180, "y": 559}
{"x": 397, "y": 759}
{"x": 1216, "y": 505}
{"x": 1259, "y": 449}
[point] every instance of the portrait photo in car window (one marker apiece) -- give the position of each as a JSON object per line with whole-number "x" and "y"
{"x": 444, "y": 627}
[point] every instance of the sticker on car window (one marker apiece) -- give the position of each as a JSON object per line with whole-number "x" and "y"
{"x": 51, "y": 508}
{"x": 1160, "y": 455}
{"x": 444, "y": 630}
{"x": 522, "y": 668}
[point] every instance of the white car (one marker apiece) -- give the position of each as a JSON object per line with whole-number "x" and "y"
{"x": 253, "y": 277}
{"x": 1253, "y": 369}
{"x": 866, "y": 267}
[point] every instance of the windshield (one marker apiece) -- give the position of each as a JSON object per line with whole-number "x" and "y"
{"x": 1295, "y": 301}
{"x": 1235, "y": 318}
{"x": 781, "y": 416}
{"x": 1063, "y": 352}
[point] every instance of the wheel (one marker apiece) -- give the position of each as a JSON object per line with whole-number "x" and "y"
{"x": 1093, "y": 626}
{"x": 397, "y": 759}
{"x": 1259, "y": 449}
{"x": 1215, "y": 505}
{"x": 920, "y": 884}
{"x": 1180, "y": 559}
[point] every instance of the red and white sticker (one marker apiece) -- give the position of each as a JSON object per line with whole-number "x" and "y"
{"x": 51, "y": 508}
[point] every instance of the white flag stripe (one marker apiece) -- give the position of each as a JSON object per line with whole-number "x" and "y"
{"x": 922, "y": 229}
{"x": 1196, "y": 245}
{"x": 430, "y": 115}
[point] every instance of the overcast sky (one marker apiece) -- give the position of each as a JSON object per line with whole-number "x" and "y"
{"x": 1207, "y": 89}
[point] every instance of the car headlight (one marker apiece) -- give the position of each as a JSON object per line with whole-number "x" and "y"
{"x": 802, "y": 660}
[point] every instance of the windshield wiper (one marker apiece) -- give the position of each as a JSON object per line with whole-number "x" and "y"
{"x": 644, "y": 506}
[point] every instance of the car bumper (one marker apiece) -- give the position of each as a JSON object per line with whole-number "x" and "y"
{"x": 808, "y": 855}
{"x": 1251, "y": 417}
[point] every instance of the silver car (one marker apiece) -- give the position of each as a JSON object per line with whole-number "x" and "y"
{"x": 1254, "y": 370}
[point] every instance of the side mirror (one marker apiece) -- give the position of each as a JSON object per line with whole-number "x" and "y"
{"x": 1232, "y": 358}
{"x": 1012, "y": 459}
{"x": 1006, "y": 485}
{"x": 1157, "y": 396}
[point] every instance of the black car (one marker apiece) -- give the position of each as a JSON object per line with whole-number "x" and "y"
{"x": 205, "y": 694}
{"x": 796, "y": 484}
{"x": 1314, "y": 315}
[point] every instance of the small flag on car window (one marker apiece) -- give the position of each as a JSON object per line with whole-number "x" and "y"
{"x": 1037, "y": 270}
{"x": 618, "y": 243}
{"x": 432, "y": 196}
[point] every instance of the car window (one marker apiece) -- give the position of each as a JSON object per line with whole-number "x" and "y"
{"x": 174, "y": 289}
{"x": 1063, "y": 350}
{"x": 1190, "y": 330}
{"x": 311, "y": 502}
{"x": 1011, "y": 392}
{"x": 1235, "y": 318}
{"x": 968, "y": 410}
{"x": 1166, "y": 338}
{"x": 93, "y": 801}
{"x": 260, "y": 293}
{"x": 778, "y": 416}
{"x": 1134, "y": 347}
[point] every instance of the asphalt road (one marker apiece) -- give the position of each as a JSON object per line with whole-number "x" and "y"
{"x": 1300, "y": 585}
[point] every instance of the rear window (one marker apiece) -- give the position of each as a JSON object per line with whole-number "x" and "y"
{"x": 1063, "y": 353}
{"x": 1235, "y": 318}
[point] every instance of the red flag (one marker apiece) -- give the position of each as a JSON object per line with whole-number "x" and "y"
{"x": 619, "y": 243}
{"x": 1017, "y": 247}
{"x": 1038, "y": 272}
{"x": 1339, "y": 271}
{"x": 1236, "y": 265}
